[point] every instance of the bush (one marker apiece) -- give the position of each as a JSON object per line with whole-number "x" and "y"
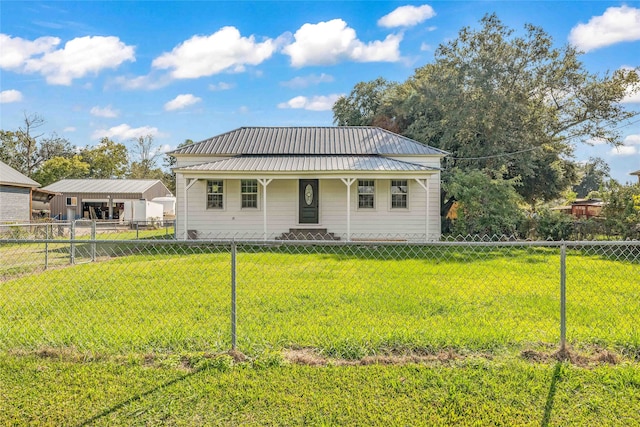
{"x": 553, "y": 225}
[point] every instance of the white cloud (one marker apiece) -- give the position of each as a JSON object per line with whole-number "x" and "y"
{"x": 15, "y": 50}
{"x": 11, "y": 95}
{"x": 597, "y": 141}
{"x": 224, "y": 50}
{"x": 327, "y": 43}
{"x": 125, "y": 132}
{"x": 315, "y": 103}
{"x": 617, "y": 24}
{"x": 181, "y": 101}
{"x": 632, "y": 96}
{"x": 312, "y": 79}
{"x": 148, "y": 82}
{"x": 221, "y": 86}
{"x": 69, "y": 129}
{"x": 107, "y": 112}
{"x": 424, "y": 47}
{"x": 623, "y": 150}
{"x": 407, "y": 16}
{"x": 632, "y": 140}
{"x": 78, "y": 57}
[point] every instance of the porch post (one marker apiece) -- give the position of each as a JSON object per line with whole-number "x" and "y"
{"x": 348, "y": 182}
{"x": 187, "y": 186}
{"x": 425, "y": 185}
{"x": 264, "y": 182}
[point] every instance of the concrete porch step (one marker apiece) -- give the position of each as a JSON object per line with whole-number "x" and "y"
{"x": 307, "y": 234}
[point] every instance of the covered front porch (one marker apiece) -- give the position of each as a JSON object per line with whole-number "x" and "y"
{"x": 348, "y": 206}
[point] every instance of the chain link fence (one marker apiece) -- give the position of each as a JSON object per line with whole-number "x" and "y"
{"x": 341, "y": 299}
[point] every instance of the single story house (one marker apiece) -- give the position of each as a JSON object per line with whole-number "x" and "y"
{"x": 636, "y": 173}
{"x": 582, "y": 208}
{"x": 319, "y": 182}
{"x": 15, "y": 195}
{"x": 100, "y": 198}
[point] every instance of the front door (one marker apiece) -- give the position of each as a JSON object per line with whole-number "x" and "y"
{"x": 308, "y": 201}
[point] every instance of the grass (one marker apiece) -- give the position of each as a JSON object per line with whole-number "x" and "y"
{"x": 345, "y": 302}
{"x": 399, "y": 335}
{"x": 217, "y": 391}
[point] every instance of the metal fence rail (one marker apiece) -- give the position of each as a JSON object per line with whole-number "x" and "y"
{"x": 341, "y": 299}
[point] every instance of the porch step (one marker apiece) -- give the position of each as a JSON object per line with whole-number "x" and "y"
{"x": 307, "y": 234}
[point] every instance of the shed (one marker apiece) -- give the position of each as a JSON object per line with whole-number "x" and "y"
{"x": 15, "y": 195}
{"x": 100, "y": 198}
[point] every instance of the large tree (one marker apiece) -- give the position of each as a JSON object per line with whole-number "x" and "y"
{"x": 504, "y": 103}
{"x": 106, "y": 160}
{"x": 58, "y": 168}
{"x": 26, "y": 148}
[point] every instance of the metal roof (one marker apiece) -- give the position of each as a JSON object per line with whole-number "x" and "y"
{"x": 341, "y": 140}
{"x": 308, "y": 163}
{"x": 10, "y": 176}
{"x": 635, "y": 173}
{"x": 102, "y": 185}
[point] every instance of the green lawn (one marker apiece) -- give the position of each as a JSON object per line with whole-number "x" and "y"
{"x": 474, "y": 391}
{"x": 401, "y": 335}
{"x": 345, "y": 301}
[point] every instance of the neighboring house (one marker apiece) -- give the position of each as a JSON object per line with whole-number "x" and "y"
{"x": 636, "y": 173}
{"x": 582, "y": 208}
{"x": 100, "y": 198}
{"x": 291, "y": 182}
{"x": 16, "y": 192}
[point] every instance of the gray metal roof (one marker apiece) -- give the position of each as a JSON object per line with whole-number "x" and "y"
{"x": 308, "y": 163}
{"x": 635, "y": 173}
{"x": 102, "y": 185}
{"x": 10, "y": 176}
{"x": 342, "y": 140}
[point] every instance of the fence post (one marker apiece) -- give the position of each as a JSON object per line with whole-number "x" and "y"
{"x": 233, "y": 295}
{"x": 93, "y": 237}
{"x": 563, "y": 297}
{"x": 72, "y": 246}
{"x": 137, "y": 230}
{"x": 46, "y": 246}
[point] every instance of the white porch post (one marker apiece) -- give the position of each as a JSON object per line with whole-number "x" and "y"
{"x": 425, "y": 185}
{"x": 348, "y": 182}
{"x": 264, "y": 183}
{"x": 187, "y": 186}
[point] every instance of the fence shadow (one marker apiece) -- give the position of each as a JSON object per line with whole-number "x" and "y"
{"x": 548, "y": 407}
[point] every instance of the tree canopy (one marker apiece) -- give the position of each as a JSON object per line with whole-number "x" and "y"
{"x": 510, "y": 105}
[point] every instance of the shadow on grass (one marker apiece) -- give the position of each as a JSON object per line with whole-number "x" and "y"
{"x": 548, "y": 407}
{"x": 140, "y": 396}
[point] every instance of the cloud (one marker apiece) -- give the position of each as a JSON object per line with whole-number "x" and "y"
{"x": 623, "y": 150}
{"x": 11, "y": 95}
{"x": 125, "y": 132}
{"x": 407, "y": 16}
{"x": 148, "y": 82}
{"x": 424, "y": 47}
{"x": 181, "y": 101}
{"x": 107, "y": 112}
{"x": 632, "y": 96}
{"x": 78, "y": 57}
{"x": 617, "y": 24}
{"x": 224, "y": 50}
{"x": 15, "y": 50}
{"x": 315, "y": 103}
{"x": 327, "y": 43}
{"x": 69, "y": 129}
{"x": 597, "y": 141}
{"x": 310, "y": 80}
{"x": 632, "y": 140}
{"x": 221, "y": 86}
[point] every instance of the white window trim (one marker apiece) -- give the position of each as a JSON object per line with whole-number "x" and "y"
{"x": 406, "y": 208}
{"x": 224, "y": 195}
{"x": 375, "y": 195}
{"x": 258, "y": 195}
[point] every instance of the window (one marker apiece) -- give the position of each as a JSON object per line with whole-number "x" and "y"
{"x": 399, "y": 193}
{"x": 72, "y": 201}
{"x": 249, "y": 193}
{"x": 366, "y": 193}
{"x": 215, "y": 193}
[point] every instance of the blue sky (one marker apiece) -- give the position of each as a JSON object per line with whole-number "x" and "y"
{"x": 191, "y": 70}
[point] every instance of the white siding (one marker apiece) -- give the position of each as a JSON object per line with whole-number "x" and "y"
{"x": 282, "y": 210}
